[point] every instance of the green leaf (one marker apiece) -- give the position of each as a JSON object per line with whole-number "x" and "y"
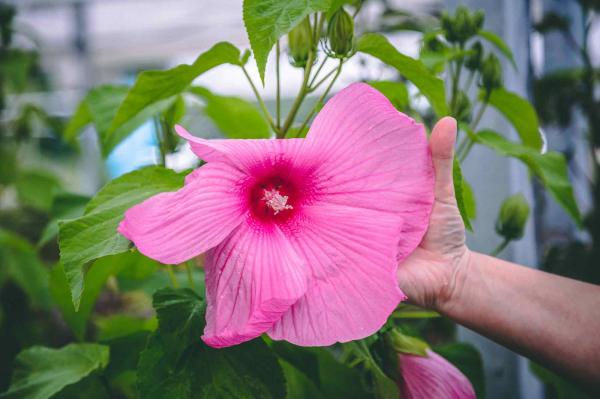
{"x": 520, "y": 114}
{"x": 430, "y": 85}
{"x": 267, "y": 20}
{"x": 298, "y": 385}
{"x": 468, "y": 360}
{"x": 338, "y": 380}
{"x": 294, "y": 132}
{"x": 550, "y": 168}
{"x": 94, "y": 281}
{"x": 336, "y": 5}
{"x": 459, "y": 194}
{"x": 436, "y": 60}
{"x": 235, "y": 117}
{"x": 180, "y": 315}
{"x": 175, "y": 112}
{"x": 64, "y": 206}
{"x": 407, "y": 311}
{"x": 20, "y": 262}
{"x": 41, "y": 372}
{"x": 469, "y": 200}
{"x": 125, "y": 352}
{"x": 8, "y": 166}
{"x": 153, "y": 89}
{"x": 120, "y": 325}
{"x": 91, "y": 387}
{"x": 37, "y": 189}
{"x": 79, "y": 120}
{"x": 381, "y": 385}
{"x": 100, "y": 107}
{"x": 177, "y": 364}
{"x": 95, "y": 235}
{"x": 396, "y": 92}
{"x": 497, "y": 41}
{"x": 321, "y": 373}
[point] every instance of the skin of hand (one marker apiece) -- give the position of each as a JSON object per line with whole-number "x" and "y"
{"x": 548, "y": 318}
{"x": 428, "y": 275}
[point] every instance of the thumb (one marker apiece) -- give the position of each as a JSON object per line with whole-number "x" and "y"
{"x": 441, "y": 143}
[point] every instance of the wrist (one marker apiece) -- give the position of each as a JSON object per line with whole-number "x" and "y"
{"x": 453, "y": 290}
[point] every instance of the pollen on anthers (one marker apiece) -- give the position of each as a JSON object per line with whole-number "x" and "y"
{"x": 274, "y": 200}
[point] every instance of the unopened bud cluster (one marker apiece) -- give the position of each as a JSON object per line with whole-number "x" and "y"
{"x": 462, "y": 26}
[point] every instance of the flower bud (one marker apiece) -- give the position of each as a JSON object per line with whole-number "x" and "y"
{"x": 7, "y": 14}
{"x": 463, "y": 107}
{"x": 340, "y": 34}
{"x": 512, "y": 217}
{"x": 300, "y": 43}
{"x": 491, "y": 73}
{"x": 477, "y": 20}
{"x": 407, "y": 344}
{"x": 431, "y": 376}
{"x": 433, "y": 44}
{"x": 473, "y": 61}
{"x": 447, "y": 24}
{"x": 462, "y": 26}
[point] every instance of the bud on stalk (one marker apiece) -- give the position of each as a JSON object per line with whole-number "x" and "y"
{"x": 473, "y": 61}
{"x": 340, "y": 35}
{"x": 300, "y": 43}
{"x": 512, "y": 218}
{"x": 491, "y": 73}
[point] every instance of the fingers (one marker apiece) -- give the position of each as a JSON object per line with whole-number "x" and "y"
{"x": 441, "y": 143}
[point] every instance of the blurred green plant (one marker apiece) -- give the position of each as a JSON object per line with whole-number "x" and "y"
{"x": 558, "y": 96}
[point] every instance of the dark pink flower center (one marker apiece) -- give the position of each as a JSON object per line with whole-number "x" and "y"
{"x": 274, "y": 198}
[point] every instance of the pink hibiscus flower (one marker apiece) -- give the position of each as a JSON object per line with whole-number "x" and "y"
{"x": 432, "y": 376}
{"x": 303, "y": 236}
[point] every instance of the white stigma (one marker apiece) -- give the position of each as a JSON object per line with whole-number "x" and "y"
{"x": 276, "y": 201}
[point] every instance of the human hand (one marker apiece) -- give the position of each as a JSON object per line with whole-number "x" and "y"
{"x": 429, "y": 275}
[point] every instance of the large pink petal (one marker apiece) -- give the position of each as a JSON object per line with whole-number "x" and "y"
{"x": 353, "y": 289}
{"x": 251, "y": 279}
{"x": 432, "y": 376}
{"x": 372, "y": 156}
{"x": 246, "y": 155}
{"x": 173, "y": 227}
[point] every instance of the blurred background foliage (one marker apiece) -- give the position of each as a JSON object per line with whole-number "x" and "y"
{"x": 83, "y": 314}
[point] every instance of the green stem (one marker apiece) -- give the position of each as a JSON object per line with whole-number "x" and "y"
{"x": 321, "y": 99}
{"x": 160, "y": 140}
{"x": 357, "y": 9}
{"x": 172, "y": 277}
{"x": 500, "y": 247}
{"x": 312, "y": 81}
{"x": 469, "y": 81}
{"x": 316, "y": 29}
{"x": 304, "y": 88}
{"x": 455, "y": 83}
{"x": 479, "y": 115}
{"x": 261, "y": 103}
{"x": 327, "y": 75}
{"x": 467, "y": 144}
{"x": 278, "y": 95}
{"x": 299, "y": 98}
